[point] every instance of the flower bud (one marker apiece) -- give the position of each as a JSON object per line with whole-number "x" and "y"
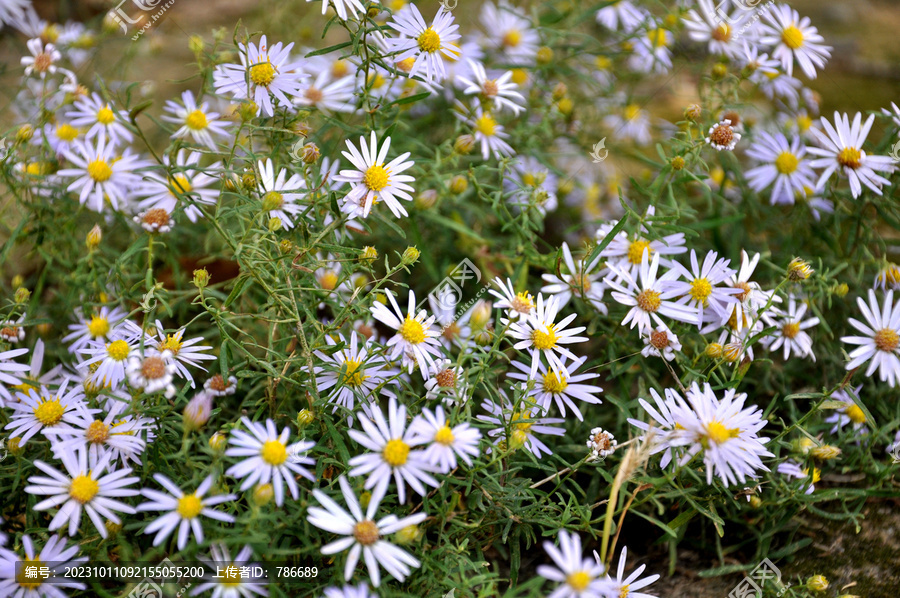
{"x": 305, "y": 417}
{"x": 544, "y": 55}
{"x": 480, "y": 314}
{"x": 484, "y": 337}
{"x": 410, "y": 256}
{"x": 817, "y": 583}
{"x": 217, "y": 442}
{"x": 274, "y": 224}
{"x": 201, "y": 278}
{"x": 17, "y": 281}
{"x": 407, "y": 535}
{"x": 310, "y": 153}
{"x": 464, "y": 144}
{"x": 799, "y": 270}
{"x": 195, "y": 44}
{"x": 112, "y": 528}
{"x": 263, "y": 494}
{"x": 841, "y": 290}
{"x": 713, "y": 350}
{"x": 368, "y": 254}
{"x": 197, "y": 411}
{"x": 248, "y": 180}
{"x": 693, "y": 112}
{"x": 755, "y": 502}
{"x": 459, "y": 184}
{"x": 364, "y": 499}
{"x": 825, "y": 452}
{"x": 565, "y": 106}
{"x": 25, "y": 133}
{"x": 719, "y": 70}
{"x": 286, "y": 246}
{"x": 22, "y": 295}
{"x": 426, "y": 199}
{"x": 560, "y": 91}
{"x": 247, "y": 110}
{"x": 14, "y": 446}
{"x": 94, "y": 237}
{"x": 677, "y": 163}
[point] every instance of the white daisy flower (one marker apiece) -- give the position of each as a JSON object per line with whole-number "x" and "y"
{"x": 279, "y": 196}
{"x": 43, "y": 58}
{"x": 663, "y": 425}
{"x": 363, "y": 535}
{"x": 263, "y": 71}
{"x": 269, "y": 458}
{"x": 701, "y": 288}
{"x": 880, "y": 343}
{"x": 155, "y": 221}
{"x": 627, "y": 252}
{"x": 444, "y": 303}
{"x": 217, "y": 386}
{"x": 183, "y": 183}
{"x": 501, "y": 91}
{"x": 559, "y": 388}
{"x": 97, "y": 328}
{"x": 793, "y": 39}
{"x": 779, "y": 85}
{"x": 602, "y": 444}
{"x": 792, "y": 469}
{"x": 415, "y": 339}
{"x": 390, "y": 443}
{"x": 341, "y": 6}
{"x": 112, "y": 358}
{"x": 626, "y": 587}
{"x": 720, "y": 32}
{"x": 101, "y": 176}
{"x": 328, "y": 94}
{"x": 842, "y": 151}
{"x": 660, "y": 342}
{"x": 54, "y": 551}
{"x": 11, "y": 373}
{"x": 751, "y": 299}
{"x": 195, "y": 120}
{"x": 448, "y": 383}
{"x": 651, "y": 51}
{"x": 60, "y": 136}
{"x": 83, "y": 488}
{"x": 92, "y": 111}
{"x": 540, "y": 335}
{"x": 887, "y": 278}
{"x": 352, "y": 373}
{"x": 445, "y": 444}
{"x": 373, "y": 180}
{"x": 427, "y": 45}
{"x": 530, "y": 183}
{"x": 621, "y": 14}
{"x": 488, "y": 133}
{"x": 577, "y": 576}
{"x": 630, "y": 122}
{"x": 783, "y": 164}
{"x": 151, "y": 372}
{"x": 517, "y": 305}
{"x": 509, "y": 33}
{"x": 722, "y": 136}
{"x": 518, "y": 427}
{"x": 119, "y": 438}
{"x": 12, "y": 331}
{"x": 849, "y": 414}
{"x": 43, "y": 411}
{"x": 184, "y": 353}
{"x": 183, "y": 510}
{"x": 791, "y": 330}
{"x": 649, "y": 296}
{"x": 231, "y": 579}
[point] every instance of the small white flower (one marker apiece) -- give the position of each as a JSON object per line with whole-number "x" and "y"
{"x": 792, "y": 469}
{"x": 43, "y": 58}
{"x": 540, "y": 335}
{"x": 112, "y": 358}
{"x": 218, "y": 386}
{"x": 517, "y": 305}
{"x": 279, "y": 195}
{"x": 195, "y": 120}
{"x": 54, "y": 551}
{"x": 121, "y": 438}
{"x": 92, "y": 111}
{"x": 415, "y": 339}
{"x": 722, "y": 136}
{"x": 621, "y": 14}
{"x": 101, "y": 176}
{"x": 445, "y": 444}
{"x": 577, "y": 576}
{"x": 660, "y": 342}
{"x": 487, "y": 132}
{"x": 427, "y": 45}
{"x": 849, "y": 414}
{"x": 43, "y": 411}
{"x": 701, "y": 288}
{"x": 602, "y": 443}
{"x": 579, "y": 279}
{"x": 791, "y": 330}
{"x": 793, "y": 38}
{"x": 97, "y": 328}
{"x": 501, "y": 91}
{"x": 352, "y": 373}
{"x": 509, "y": 33}
{"x": 373, "y": 180}
{"x": 562, "y": 388}
{"x": 182, "y": 184}
{"x": 152, "y": 372}
{"x": 627, "y": 587}
{"x": 880, "y": 343}
{"x": 518, "y": 426}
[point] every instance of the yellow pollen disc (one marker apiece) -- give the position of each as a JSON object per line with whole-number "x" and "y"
{"x": 792, "y": 37}
{"x": 376, "y": 177}
{"x": 27, "y": 582}
{"x": 636, "y": 251}
{"x": 791, "y": 329}
{"x": 718, "y": 433}
{"x": 118, "y": 350}
{"x": 273, "y": 452}
{"x": 412, "y": 331}
{"x": 429, "y": 41}
{"x": 444, "y": 436}
{"x": 579, "y": 581}
{"x": 486, "y": 125}
{"x": 189, "y": 506}
{"x": 887, "y": 339}
{"x": 172, "y": 343}
{"x": 66, "y": 132}
{"x": 554, "y": 383}
{"x": 83, "y": 489}
{"x": 49, "y": 412}
{"x": 520, "y": 76}
{"x": 649, "y": 300}
{"x": 659, "y": 339}
{"x": 544, "y": 340}
{"x": 105, "y": 115}
{"x": 196, "y": 121}
{"x": 804, "y": 122}
{"x": 850, "y": 157}
{"x": 490, "y": 88}
{"x": 353, "y": 373}
{"x": 339, "y": 69}
{"x": 603, "y": 63}
{"x": 153, "y": 368}
{"x": 512, "y": 38}
{"x": 98, "y": 327}
{"x": 632, "y": 111}
{"x": 855, "y": 414}
{"x": 746, "y": 289}
{"x": 376, "y": 81}
{"x": 701, "y": 289}
{"x": 522, "y": 303}
{"x": 722, "y": 33}
{"x": 328, "y": 280}
{"x": 657, "y": 38}
{"x": 406, "y": 64}
{"x": 99, "y": 170}
{"x": 262, "y": 74}
{"x": 395, "y": 452}
{"x": 180, "y": 183}
{"x": 97, "y": 432}
{"x": 366, "y": 532}
{"x": 623, "y": 593}
{"x": 786, "y": 163}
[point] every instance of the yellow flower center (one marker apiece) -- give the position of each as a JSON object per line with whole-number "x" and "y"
{"x": 353, "y": 373}
{"x": 512, "y": 38}
{"x": 486, "y": 125}
{"x": 554, "y": 383}
{"x": 189, "y": 506}
{"x": 395, "y": 452}
{"x": 579, "y": 580}
{"x": 105, "y": 115}
{"x": 376, "y": 177}
{"x": 99, "y": 170}
{"x": 66, "y": 132}
{"x": 534, "y": 179}
{"x": 791, "y": 329}
{"x": 636, "y": 251}
{"x": 339, "y": 69}
{"x": 412, "y": 331}
{"x": 180, "y": 183}
{"x": 274, "y": 452}
{"x": 29, "y": 583}
{"x": 328, "y": 280}
{"x": 98, "y": 327}
{"x": 657, "y": 38}
{"x": 792, "y": 37}
{"x": 649, "y": 300}
{"x": 49, "y": 412}
{"x": 850, "y": 157}
{"x": 718, "y": 433}
{"x": 632, "y": 111}
{"x": 701, "y": 289}
{"x": 83, "y": 489}
{"x": 722, "y": 33}
{"x": 544, "y": 340}
{"x": 489, "y": 88}
{"x": 603, "y": 63}
{"x": 272, "y": 200}
{"x": 659, "y": 339}
{"x": 444, "y": 436}
{"x": 804, "y": 122}
{"x": 429, "y": 41}
{"x": 887, "y": 339}
{"x": 118, "y": 350}
{"x": 172, "y": 343}
{"x": 405, "y": 65}
{"x": 262, "y": 74}
{"x": 446, "y": 378}
{"x": 366, "y": 532}
{"x": 855, "y": 414}
{"x": 97, "y": 432}
{"x": 196, "y": 121}
{"x": 786, "y": 163}
{"x": 522, "y": 303}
